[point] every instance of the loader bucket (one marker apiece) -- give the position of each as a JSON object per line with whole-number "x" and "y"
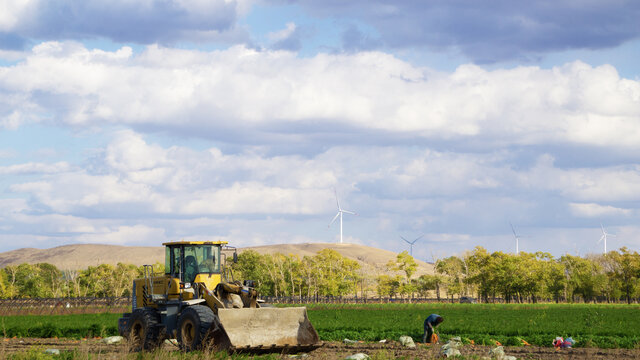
{"x": 269, "y": 329}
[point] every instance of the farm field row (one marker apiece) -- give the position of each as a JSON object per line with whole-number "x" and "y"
{"x": 603, "y": 326}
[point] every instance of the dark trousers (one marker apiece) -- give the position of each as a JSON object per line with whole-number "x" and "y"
{"x": 426, "y": 338}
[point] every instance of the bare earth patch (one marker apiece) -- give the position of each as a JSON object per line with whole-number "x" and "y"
{"x": 330, "y": 350}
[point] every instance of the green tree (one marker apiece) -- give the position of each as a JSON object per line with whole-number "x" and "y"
{"x": 405, "y": 264}
{"x": 94, "y": 281}
{"x": 454, "y": 268}
{"x": 252, "y": 266}
{"x": 428, "y": 282}
{"x": 585, "y": 277}
{"x": 626, "y": 269}
{"x": 3, "y": 285}
{"x": 338, "y": 275}
{"x": 478, "y": 266}
{"x": 388, "y": 286}
{"x": 556, "y": 280}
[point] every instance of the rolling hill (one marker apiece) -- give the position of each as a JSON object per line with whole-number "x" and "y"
{"x": 77, "y": 257}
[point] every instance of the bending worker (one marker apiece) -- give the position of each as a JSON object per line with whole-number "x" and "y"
{"x": 429, "y": 324}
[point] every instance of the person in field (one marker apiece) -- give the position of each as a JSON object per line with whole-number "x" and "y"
{"x": 430, "y": 323}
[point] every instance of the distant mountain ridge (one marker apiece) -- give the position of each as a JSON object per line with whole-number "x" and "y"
{"x": 81, "y": 256}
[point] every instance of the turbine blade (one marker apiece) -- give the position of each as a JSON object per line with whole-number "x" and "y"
{"x": 348, "y": 212}
{"x": 405, "y": 239}
{"x": 512, "y": 229}
{"x": 334, "y": 219}
{"x": 418, "y": 238}
{"x": 337, "y": 202}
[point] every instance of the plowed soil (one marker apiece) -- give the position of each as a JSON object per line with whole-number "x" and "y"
{"x": 330, "y": 350}
{"x": 395, "y": 350}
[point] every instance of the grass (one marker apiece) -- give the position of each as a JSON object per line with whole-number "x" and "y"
{"x": 603, "y": 326}
{"x": 75, "y": 326}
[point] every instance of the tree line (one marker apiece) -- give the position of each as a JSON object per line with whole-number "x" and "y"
{"x": 489, "y": 277}
{"x": 533, "y": 277}
{"x": 44, "y": 280}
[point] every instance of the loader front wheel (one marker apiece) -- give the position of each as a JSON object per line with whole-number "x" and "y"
{"x": 143, "y": 332}
{"x": 193, "y": 326}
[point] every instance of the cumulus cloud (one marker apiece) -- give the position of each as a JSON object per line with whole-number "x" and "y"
{"x": 495, "y": 31}
{"x": 144, "y": 22}
{"x": 137, "y": 187}
{"x": 611, "y": 183}
{"x": 593, "y": 210}
{"x": 277, "y": 97}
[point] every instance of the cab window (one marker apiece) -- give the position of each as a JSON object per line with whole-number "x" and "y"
{"x": 175, "y": 261}
{"x": 200, "y": 259}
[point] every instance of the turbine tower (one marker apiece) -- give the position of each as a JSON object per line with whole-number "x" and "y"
{"x": 516, "y": 236}
{"x": 604, "y": 237}
{"x": 339, "y": 214}
{"x": 411, "y": 243}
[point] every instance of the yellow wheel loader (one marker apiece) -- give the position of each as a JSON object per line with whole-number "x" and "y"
{"x": 197, "y": 302}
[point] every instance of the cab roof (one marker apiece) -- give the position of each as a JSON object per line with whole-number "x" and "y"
{"x": 195, "y": 243}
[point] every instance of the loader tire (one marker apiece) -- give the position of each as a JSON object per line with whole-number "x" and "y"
{"x": 193, "y": 326}
{"x": 143, "y": 333}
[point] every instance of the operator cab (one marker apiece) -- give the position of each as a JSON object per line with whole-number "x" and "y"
{"x": 186, "y": 259}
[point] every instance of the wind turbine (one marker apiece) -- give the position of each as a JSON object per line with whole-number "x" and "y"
{"x": 339, "y": 214}
{"x": 604, "y": 237}
{"x": 515, "y": 236}
{"x": 411, "y": 243}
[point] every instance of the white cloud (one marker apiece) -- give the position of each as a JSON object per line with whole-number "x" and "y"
{"x": 13, "y": 55}
{"x": 138, "y": 234}
{"x": 129, "y": 152}
{"x": 56, "y": 223}
{"x": 266, "y": 93}
{"x": 253, "y": 198}
{"x": 282, "y": 34}
{"x": 35, "y": 168}
{"x": 487, "y": 32}
{"x": 610, "y": 183}
{"x": 7, "y": 153}
{"x": 135, "y": 176}
{"x": 12, "y": 206}
{"x": 12, "y": 11}
{"x": 149, "y": 21}
{"x": 592, "y": 210}
{"x": 74, "y": 191}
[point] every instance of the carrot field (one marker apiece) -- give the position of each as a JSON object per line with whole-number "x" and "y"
{"x": 603, "y": 326}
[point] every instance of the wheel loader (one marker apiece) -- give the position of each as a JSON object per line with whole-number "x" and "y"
{"x": 197, "y": 302}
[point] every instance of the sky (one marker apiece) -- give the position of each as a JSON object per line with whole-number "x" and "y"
{"x": 139, "y": 122}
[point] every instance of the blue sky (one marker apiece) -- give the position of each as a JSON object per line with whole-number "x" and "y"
{"x": 138, "y": 122}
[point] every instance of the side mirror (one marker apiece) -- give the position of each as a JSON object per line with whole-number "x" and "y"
{"x": 235, "y": 257}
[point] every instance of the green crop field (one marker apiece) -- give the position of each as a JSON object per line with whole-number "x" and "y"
{"x": 604, "y": 326}
{"x": 68, "y": 326}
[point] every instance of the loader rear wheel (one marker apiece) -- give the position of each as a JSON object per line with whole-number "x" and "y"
{"x": 193, "y": 325}
{"x": 143, "y": 333}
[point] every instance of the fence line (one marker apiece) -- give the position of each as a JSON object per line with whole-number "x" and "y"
{"x": 60, "y": 306}
{"x": 90, "y": 305}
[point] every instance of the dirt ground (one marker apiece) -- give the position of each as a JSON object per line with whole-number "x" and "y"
{"x": 395, "y": 350}
{"x": 330, "y": 350}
